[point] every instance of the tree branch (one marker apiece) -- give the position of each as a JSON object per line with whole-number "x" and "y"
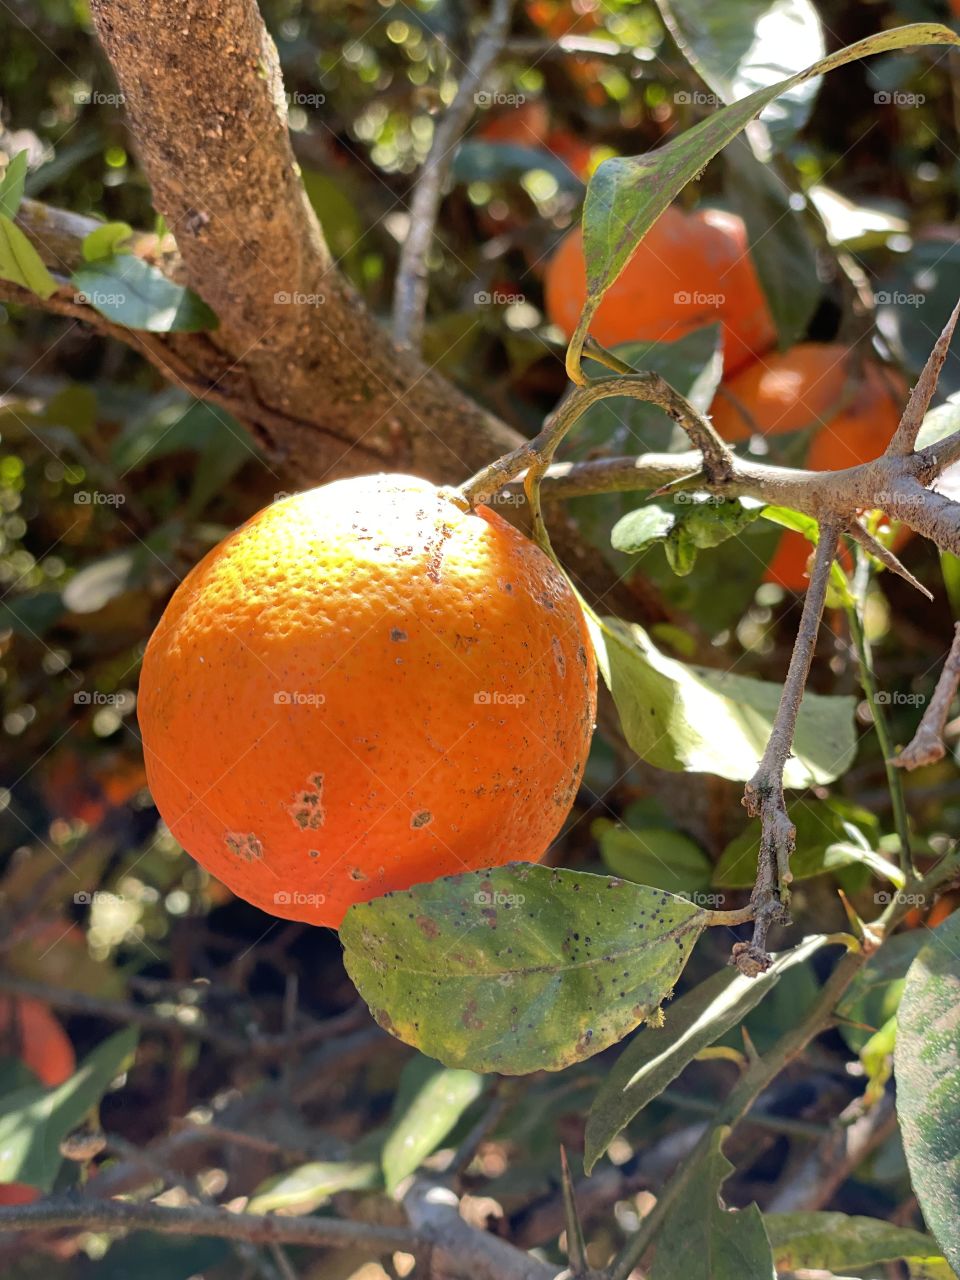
{"x": 927, "y": 747}
{"x": 412, "y": 282}
{"x": 763, "y": 794}
{"x": 201, "y": 1220}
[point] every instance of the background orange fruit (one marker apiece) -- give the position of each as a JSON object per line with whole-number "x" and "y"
{"x": 30, "y": 1032}
{"x": 362, "y": 688}
{"x": 525, "y": 125}
{"x": 803, "y": 387}
{"x": 689, "y": 270}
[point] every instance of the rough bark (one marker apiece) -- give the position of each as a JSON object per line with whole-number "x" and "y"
{"x": 318, "y": 382}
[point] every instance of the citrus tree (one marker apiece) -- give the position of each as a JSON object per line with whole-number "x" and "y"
{"x": 429, "y": 384}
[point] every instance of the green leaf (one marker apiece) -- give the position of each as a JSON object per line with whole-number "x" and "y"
{"x": 695, "y": 523}
{"x": 745, "y": 45}
{"x": 11, "y": 185}
{"x": 132, "y": 293}
{"x": 703, "y": 1240}
{"x": 656, "y": 1055}
{"x": 824, "y": 829}
{"x": 105, "y": 241}
{"x": 34, "y": 1121}
{"x": 309, "y": 1186}
{"x": 653, "y": 856}
{"x": 31, "y": 615}
{"x": 874, "y": 995}
{"x": 626, "y": 195}
{"x": 426, "y": 1113}
{"x": 683, "y": 717}
{"x": 840, "y": 1242}
{"x": 782, "y": 251}
{"x": 519, "y": 968}
{"x": 20, "y": 263}
{"x": 927, "y": 1065}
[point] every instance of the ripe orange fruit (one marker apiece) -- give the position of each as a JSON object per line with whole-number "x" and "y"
{"x": 362, "y": 688}
{"x": 802, "y": 387}
{"x": 689, "y": 270}
{"x": 30, "y": 1032}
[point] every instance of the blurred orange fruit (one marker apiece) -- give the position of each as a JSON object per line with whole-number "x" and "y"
{"x": 690, "y": 270}
{"x": 362, "y": 688}
{"x": 803, "y": 387}
{"x": 525, "y": 125}
{"x": 31, "y": 1033}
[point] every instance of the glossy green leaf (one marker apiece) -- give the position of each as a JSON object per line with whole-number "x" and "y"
{"x": 684, "y": 717}
{"x": 132, "y": 293}
{"x": 703, "y": 1240}
{"x": 744, "y": 45}
{"x": 656, "y": 1055}
{"x": 426, "y": 1114}
{"x": 11, "y": 185}
{"x": 519, "y": 968}
{"x": 654, "y": 856}
{"x": 311, "y": 1185}
{"x": 105, "y": 241}
{"x": 20, "y": 263}
{"x": 35, "y": 1120}
{"x": 840, "y": 1242}
{"x": 927, "y": 1065}
{"x": 782, "y": 251}
{"x": 824, "y": 829}
{"x": 626, "y": 195}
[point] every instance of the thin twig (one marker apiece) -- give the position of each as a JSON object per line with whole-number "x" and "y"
{"x": 763, "y": 794}
{"x": 926, "y": 746}
{"x": 410, "y": 293}
{"x": 202, "y": 1220}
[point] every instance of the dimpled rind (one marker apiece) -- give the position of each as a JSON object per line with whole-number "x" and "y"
{"x": 363, "y": 688}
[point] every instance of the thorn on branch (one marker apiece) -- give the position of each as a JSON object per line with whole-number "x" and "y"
{"x": 927, "y": 745}
{"x": 884, "y": 555}
{"x": 905, "y": 437}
